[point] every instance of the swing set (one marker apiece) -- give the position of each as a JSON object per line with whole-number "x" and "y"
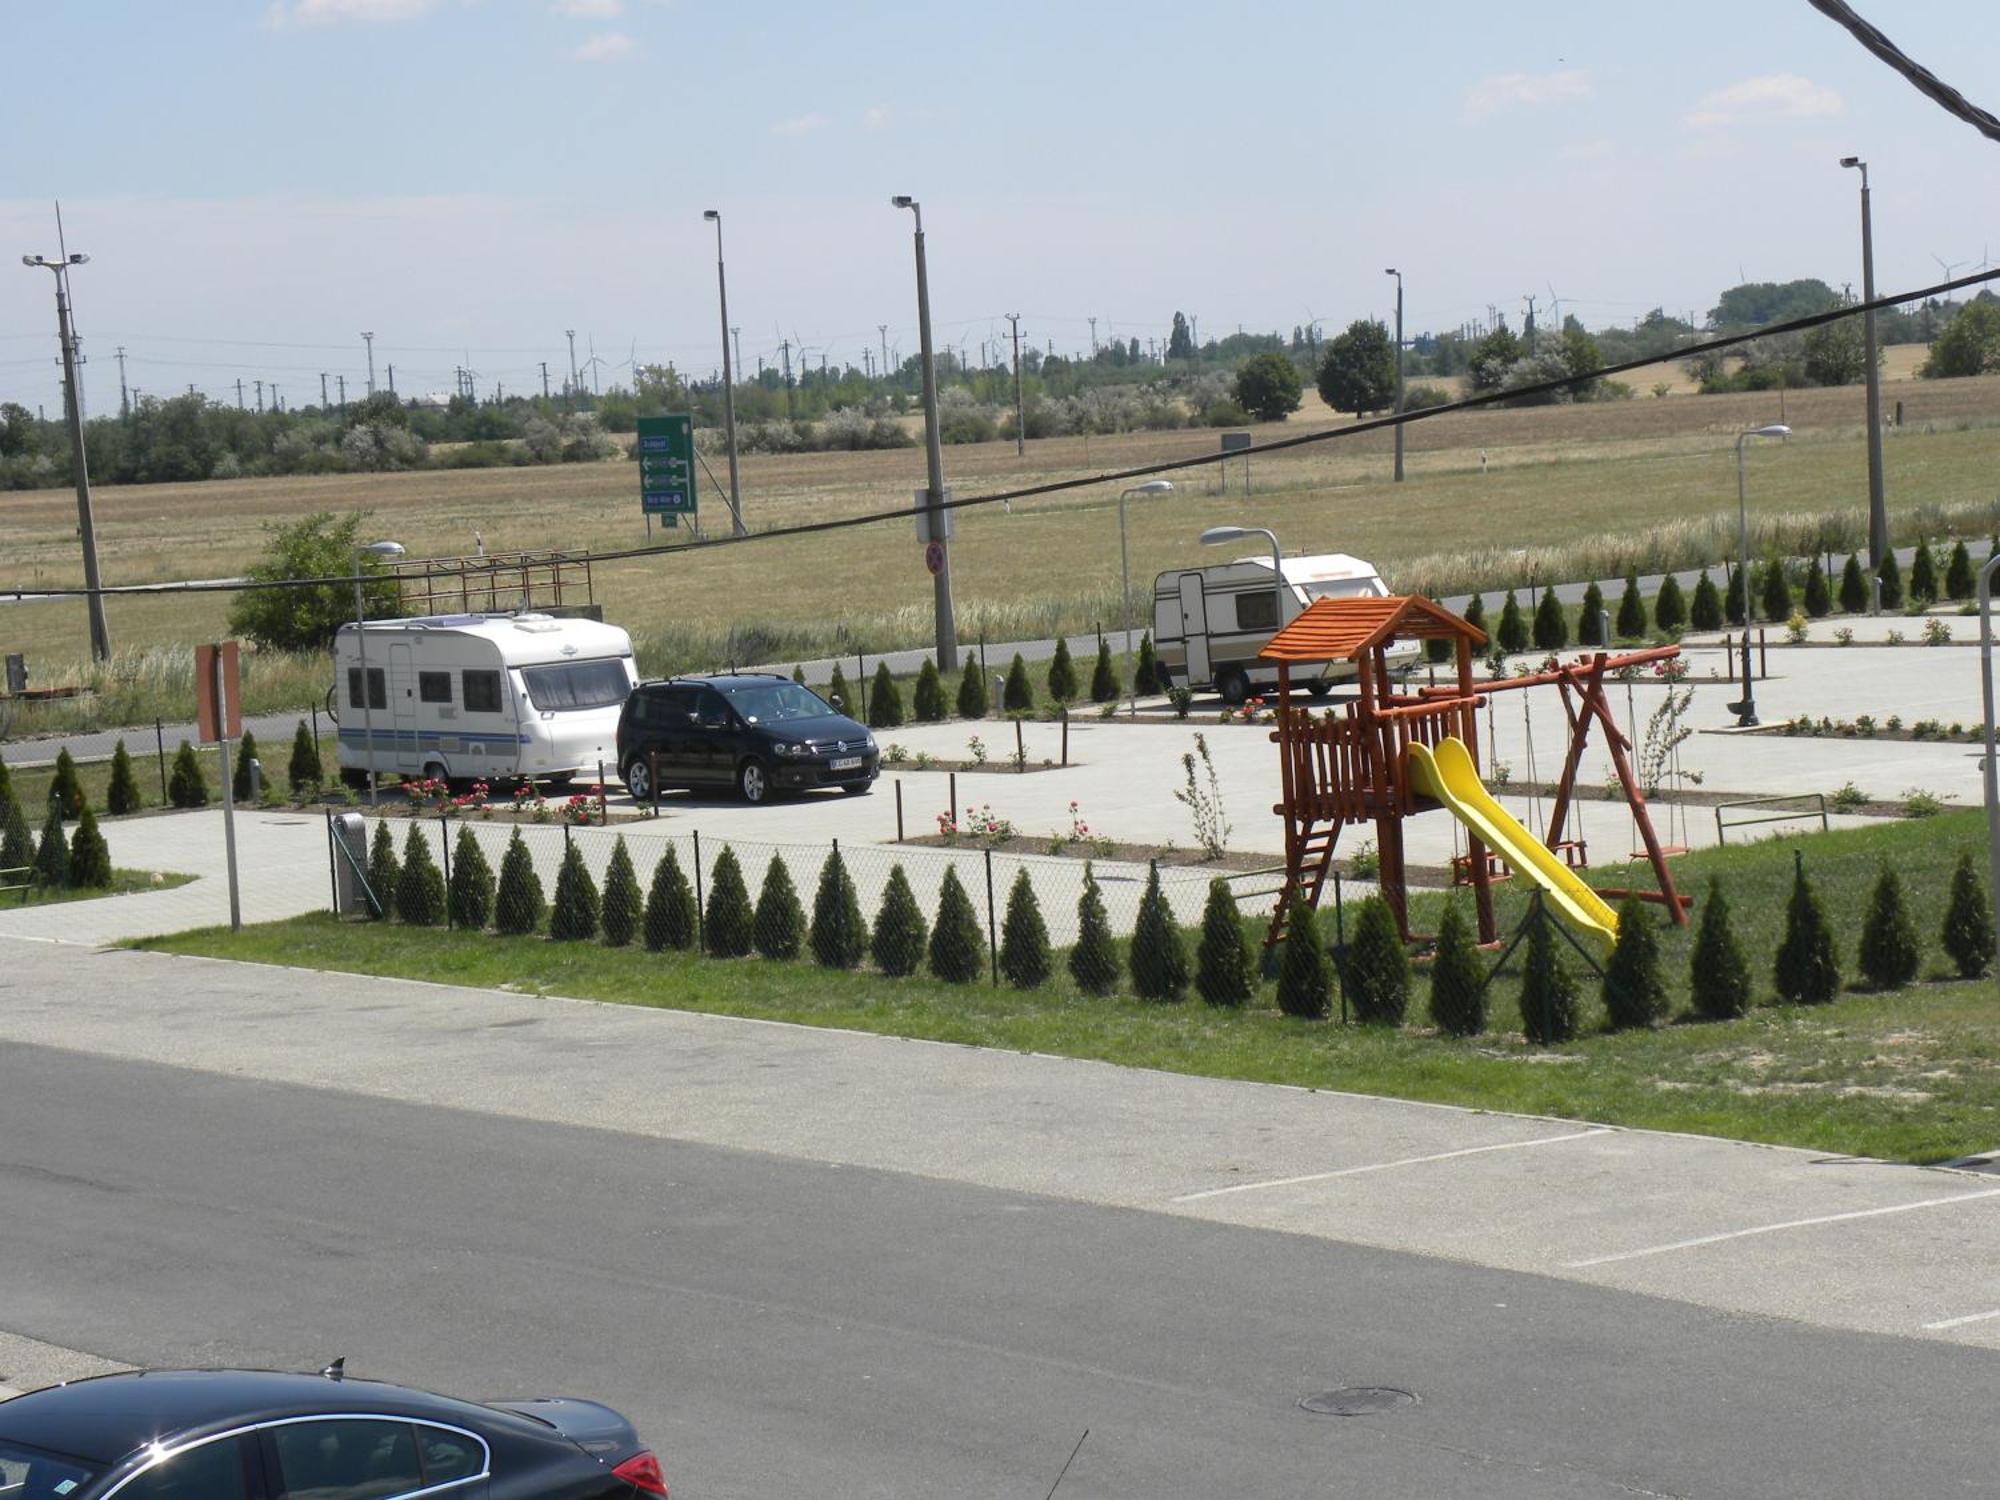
{"x": 1385, "y": 756}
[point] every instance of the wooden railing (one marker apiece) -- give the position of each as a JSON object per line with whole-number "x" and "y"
{"x": 493, "y": 585}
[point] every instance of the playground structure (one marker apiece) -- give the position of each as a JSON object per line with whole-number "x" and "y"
{"x": 1385, "y": 756}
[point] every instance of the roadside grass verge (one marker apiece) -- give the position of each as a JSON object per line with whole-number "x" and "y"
{"x": 123, "y": 883}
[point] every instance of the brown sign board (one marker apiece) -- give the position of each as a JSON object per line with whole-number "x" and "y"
{"x": 206, "y": 679}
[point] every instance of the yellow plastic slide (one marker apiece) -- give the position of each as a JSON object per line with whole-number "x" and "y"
{"x": 1448, "y": 774}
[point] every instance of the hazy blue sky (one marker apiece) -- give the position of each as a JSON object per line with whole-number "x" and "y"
{"x": 275, "y": 175}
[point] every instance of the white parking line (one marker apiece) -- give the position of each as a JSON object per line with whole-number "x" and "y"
{"x": 1383, "y": 1166}
{"x": 1968, "y": 1318}
{"x": 1738, "y": 1234}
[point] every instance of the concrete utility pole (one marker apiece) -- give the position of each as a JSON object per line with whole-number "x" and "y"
{"x": 545, "y": 380}
{"x": 369, "y": 340}
{"x": 322, "y": 391}
{"x": 947, "y": 627}
{"x": 728, "y": 380}
{"x": 736, "y": 338}
{"x": 239, "y": 393}
{"x": 785, "y": 350}
{"x": 340, "y": 382}
{"x": 1020, "y": 422}
{"x": 124, "y": 396}
{"x": 1093, "y": 336}
{"x": 100, "y": 634}
{"x": 1878, "y": 507}
{"x": 569, "y": 394}
{"x": 260, "y": 396}
{"x": 1530, "y": 326}
{"x": 276, "y": 404}
{"x": 392, "y": 380}
{"x": 1392, "y": 271}
{"x": 883, "y": 329}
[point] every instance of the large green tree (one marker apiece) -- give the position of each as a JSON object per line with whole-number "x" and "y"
{"x": 305, "y": 617}
{"x": 1969, "y": 345}
{"x": 1269, "y": 386}
{"x": 1357, "y": 372}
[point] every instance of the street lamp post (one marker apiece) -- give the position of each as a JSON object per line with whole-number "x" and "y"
{"x": 947, "y": 629}
{"x": 100, "y": 634}
{"x": 1746, "y": 711}
{"x": 1989, "y": 766}
{"x": 369, "y": 549}
{"x": 1216, "y": 535}
{"x": 1878, "y": 508}
{"x": 728, "y": 379}
{"x": 1150, "y": 487}
{"x": 1392, "y": 271}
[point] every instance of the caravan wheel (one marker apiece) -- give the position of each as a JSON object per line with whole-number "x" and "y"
{"x": 1233, "y": 685}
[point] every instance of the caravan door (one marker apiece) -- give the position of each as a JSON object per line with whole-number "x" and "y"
{"x": 403, "y": 707}
{"x": 1194, "y": 628}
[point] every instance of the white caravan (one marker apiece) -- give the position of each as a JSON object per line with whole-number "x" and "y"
{"x": 1210, "y": 623}
{"x": 481, "y": 697}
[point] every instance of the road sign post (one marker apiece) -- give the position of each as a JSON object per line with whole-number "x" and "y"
{"x": 219, "y": 719}
{"x": 666, "y": 467}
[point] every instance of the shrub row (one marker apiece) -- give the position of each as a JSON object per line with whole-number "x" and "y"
{"x": 59, "y": 859}
{"x": 1062, "y": 683}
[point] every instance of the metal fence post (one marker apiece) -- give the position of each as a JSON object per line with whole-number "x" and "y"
{"x": 160, "y": 745}
{"x": 603, "y": 810}
{"x": 700, "y": 901}
{"x": 1339, "y": 945}
{"x": 992, "y": 938}
{"x": 332, "y": 868}
{"x": 951, "y": 782}
{"x": 444, "y": 848}
{"x": 653, "y": 775}
{"x": 899, "y": 809}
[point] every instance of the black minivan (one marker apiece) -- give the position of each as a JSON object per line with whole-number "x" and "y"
{"x": 757, "y": 732}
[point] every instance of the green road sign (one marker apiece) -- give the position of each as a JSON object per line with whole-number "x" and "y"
{"x": 666, "y": 465}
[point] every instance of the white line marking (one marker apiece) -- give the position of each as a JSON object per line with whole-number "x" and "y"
{"x": 1383, "y": 1166}
{"x": 1968, "y": 1318}
{"x": 1737, "y": 1234}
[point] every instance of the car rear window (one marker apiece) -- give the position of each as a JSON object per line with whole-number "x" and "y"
{"x": 577, "y": 684}
{"x": 24, "y": 1472}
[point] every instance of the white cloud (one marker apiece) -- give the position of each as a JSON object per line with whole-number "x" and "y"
{"x": 1525, "y": 90}
{"x": 875, "y": 117}
{"x": 800, "y": 125}
{"x": 590, "y": 10}
{"x": 606, "y": 47}
{"x": 1776, "y": 96}
{"x": 310, "y": 12}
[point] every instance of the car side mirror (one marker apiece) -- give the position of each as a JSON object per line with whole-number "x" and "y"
{"x": 839, "y": 706}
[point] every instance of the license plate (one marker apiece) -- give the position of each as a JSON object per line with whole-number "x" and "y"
{"x": 846, "y": 763}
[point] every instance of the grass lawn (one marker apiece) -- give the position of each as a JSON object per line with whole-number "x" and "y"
{"x": 123, "y": 883}
{"x": 1913, "y": 1075}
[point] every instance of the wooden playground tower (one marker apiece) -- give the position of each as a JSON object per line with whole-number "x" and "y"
{"x": 1351, "y": 765}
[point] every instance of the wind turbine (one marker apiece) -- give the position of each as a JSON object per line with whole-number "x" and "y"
{"x": 594, "y": 364}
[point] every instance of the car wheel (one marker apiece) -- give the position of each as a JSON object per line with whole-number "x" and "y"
{"x": 638, "y": 780}
{"x": 354, "y": 780}
{"x": 1234, "y": 687}
{"x": 858, "y": 788}
{"x": 753, "y": 782}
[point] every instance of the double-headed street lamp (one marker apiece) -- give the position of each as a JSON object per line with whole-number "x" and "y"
{"x": 1392, "y": 271}
{"x": 368, "y": 549}
{"x": 934, "y": 497}
{"x": 1150, "y": 487}
{"x": 728, "y": 379}
{"x": 100, "y": 634}
{"x": 1878, "y": 508}
{"x": 1746, "y": 710}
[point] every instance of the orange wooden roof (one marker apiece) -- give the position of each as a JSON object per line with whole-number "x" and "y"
{"x": 1342, "y": 629}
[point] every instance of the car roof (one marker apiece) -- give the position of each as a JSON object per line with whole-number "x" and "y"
{"x": 107, "y": 1417}
{"x": 723, "y": 680}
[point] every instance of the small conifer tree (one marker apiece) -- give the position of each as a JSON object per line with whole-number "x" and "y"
{"x": 518, "y": 904}
{"x": 17, "y": 840}
{"x": 1093, "y": 962}
{"x": 1024, "y": 937}
{"x": 89, "y": 855}
{"x": 1018, "y": 697}
{"x": 1223, "y": 974}
{"x": 576, "y": 909}
{"x": 1923, "y": 575}
{"x": 384, "y": 870}
{"x": 900, "y": 933}
{"x": 52, "y": 854}
{"x": 1777, "y": 592}
{"x": 839, "y": 937}
{"x": 1958, "y": 577}
{"x": 420, "y": 894}
{"x": 1377, "y": 970}
{"x": 1670, "y": 606}
{"x": 927, "y": 702}
{"x": 1853, "y": 586}
{"x": 972, "y": 697}
{"x": 1551, "y": 623}
{"x": 185, "y": 786}
{"x": 1631, "y": 622}
{"x": 303, "y": 773}
{"x": 1104, "y": 684}
{"x": 670, "y": 912}
{"x": 1062, "y": 673}
{"x": 624, "y": 907}
{"x": 469, "y": 897}
{"x": 730, "y": 919}
{"x": 837, "y": 692}
{"x": 66, "y": 787}
{"x": 1513, "y": 632}
{"x": 1718, "y": 973}
{"x": 1158, "y": 956}
{"x": 123, "y": 795}
{"x": 1818, "y": 595}
{"x": 1705, "y": 609}
{"x": 885, "y": 703}
{"x": 1305, "y": 977}
{"x": 1732, "y": 599}
{"x": 1548, "y": 988}
{"x": 1146, "y": 669}
{"x": 239, "y": 767}
{"x": 1807, "y": 971}
{"x": 1590, "y": 617}
{"x": 1891, "y": 576}
{"x": 1968, "y": 921}
{"x": 778, "y": 928}
{"x": 1889, "y": 955}
{"x": 799, "y": 673}
{"x": 1475, "y": 613}
{"x": 1458, "y": 995}
{"x": 1634, "y": 993}
{"x": 957, "y": 949}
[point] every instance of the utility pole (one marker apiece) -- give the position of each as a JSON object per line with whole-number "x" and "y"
{"x": 736, "y": 337}
{"x": 939, "y": 518}
{"x": 785, "y": 349}
{"x": 1093, "y": 337}
{"x": 1878, "y": 508}
{"x": 545, "y": 380}
{"x": 369, "y": 340}
{"x": 322, "y": 392}
{"x": 100, "y": 634}
{"x": 883, "y": 329}
{"x": 1530, "y": 328}
{"x": 276, "y": 404}
{"x": 728, "y": 379}
{"x": 339, "y": 380}
{"x": 124, "y": 397}
{"x": 392, "y": 380}
{"x": 239, "y": 393}
{"x": 260, "y": 397}
{"x": 569, "y": 395}
{"x": 1020, "y": 422}
{"x": 1392, "y": 271}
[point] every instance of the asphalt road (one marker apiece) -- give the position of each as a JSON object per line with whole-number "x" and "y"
{"x": 781, "y": 1327}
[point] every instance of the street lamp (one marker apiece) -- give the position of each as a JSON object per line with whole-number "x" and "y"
{"x": 934, "y": 495}
{"x": 1150, "y": 487}
{"x": 1746, "y": 711}
{"x": 728, "y": 378}
{"x": 100, "y": 634}
{"x": 1878, "y": 508}
{"x": 1392, "y": 271}
{"x": 1218, "y": 534}
{"x": 368, "y": 549}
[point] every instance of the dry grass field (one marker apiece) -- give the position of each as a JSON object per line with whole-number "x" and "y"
{"x": 1609, "y": 478}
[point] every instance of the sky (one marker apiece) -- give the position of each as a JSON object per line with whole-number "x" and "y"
{"x": 259, "y": 182}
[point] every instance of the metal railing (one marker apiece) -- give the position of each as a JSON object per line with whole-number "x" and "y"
{"x": 1818, "y": 810}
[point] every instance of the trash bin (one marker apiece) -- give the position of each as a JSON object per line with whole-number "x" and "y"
{"x": 255, "y": 781}
{"x": 350, "y": 864}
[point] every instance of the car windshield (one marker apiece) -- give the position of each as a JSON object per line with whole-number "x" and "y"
{"x": 578, "y": 684}
{"x": 39, "y": 1476}
{"x": 775, "y": 702}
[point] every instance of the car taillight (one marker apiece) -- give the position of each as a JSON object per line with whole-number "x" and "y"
{"x": 642, "y": 1472}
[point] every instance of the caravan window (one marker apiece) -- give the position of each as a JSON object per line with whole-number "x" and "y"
{"x": 434, "y": 687}
{"x": 378, "y": 688}
{"x": 577, "y": 684}
{"x": 482, "y": 692}
{"x": 1257, "y": 610}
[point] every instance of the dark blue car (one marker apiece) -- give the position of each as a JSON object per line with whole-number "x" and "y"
{"x": 753, "y": 732}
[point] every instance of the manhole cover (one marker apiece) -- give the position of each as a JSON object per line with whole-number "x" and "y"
{"x": 1358, "y": 1401}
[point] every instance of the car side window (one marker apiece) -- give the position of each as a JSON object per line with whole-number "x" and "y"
{"x": 482, "y": 692}
{"x": 214, "y": 1471}
{"x": 448, "y": 1456}
{"x": 346, "y": 1458}
{"x": 677, "y": 704}
{"x": 710, "y": 711}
